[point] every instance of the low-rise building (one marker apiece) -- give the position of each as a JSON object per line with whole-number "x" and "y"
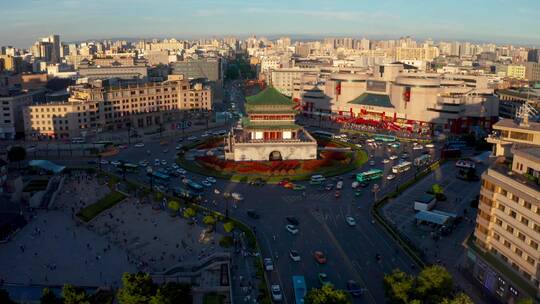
{"x": 98, "y": 107}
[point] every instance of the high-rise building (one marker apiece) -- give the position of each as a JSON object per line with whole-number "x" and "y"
{"x": 534, "y": 55}
{"x": 504, "y": 256}
{"x": 532, "y": 71}
{"x": 516, "y": 71}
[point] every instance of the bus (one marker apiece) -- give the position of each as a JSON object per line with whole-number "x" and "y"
{"x": 129, "y": 167}
{"x": 160, "y": 176}
{"x": 422, "y": 160}
{"x": 195, "y": 187}
{"x": 369, "y": 175}
{"x": 401, "y": 167}
{"x": 323, "y": 134}
{"x": 300, "y": 289}
{"x": 385, "y": 138}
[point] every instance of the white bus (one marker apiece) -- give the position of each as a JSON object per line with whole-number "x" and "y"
{"x": 317, "y": 179}
{"x": 465, "y": 164}
{"x": 401, "y": 167}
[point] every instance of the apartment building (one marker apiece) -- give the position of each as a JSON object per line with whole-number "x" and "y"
{"x": 516, "y": 71}
{"x": 94, "y": 108}
{"x": 285, "y": 80}
{"x": 504, "y": 256}
{"x": 11, "y": 111}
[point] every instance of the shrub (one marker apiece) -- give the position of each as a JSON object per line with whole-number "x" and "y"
{"x": 226, "y": 241}
{"x": 189, "y": 213}
{"x": 174, "y": 206}
{"x": 228, "y": 226}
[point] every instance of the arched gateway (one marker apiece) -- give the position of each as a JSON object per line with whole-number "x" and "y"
{"x": 275, "y": 155}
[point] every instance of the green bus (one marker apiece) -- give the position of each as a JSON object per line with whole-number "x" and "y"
{"x": 369, "y": 175}
{"x": 385, "y": 138}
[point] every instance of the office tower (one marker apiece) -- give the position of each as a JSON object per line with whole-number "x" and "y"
{"x": 534, "y": 55}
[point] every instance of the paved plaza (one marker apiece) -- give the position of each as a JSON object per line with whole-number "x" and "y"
{"x": 55, "y": 248}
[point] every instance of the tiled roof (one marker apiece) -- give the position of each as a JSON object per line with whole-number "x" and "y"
{"x": 269, "y": 96}
{"x": 370, "y": 99}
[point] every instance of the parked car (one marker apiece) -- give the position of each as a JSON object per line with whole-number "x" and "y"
{"x": 354, "y": 288}
{"x": 323, "y": 279}
{"x": 139, "y": 145}
{"x": 277, "y": 296}
{"x": 390, "y": 176}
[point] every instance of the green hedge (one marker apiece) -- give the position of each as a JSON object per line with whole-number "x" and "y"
{"x": 91, "y": 211}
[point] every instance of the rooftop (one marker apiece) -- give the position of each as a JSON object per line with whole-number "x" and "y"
{"x": 510, "y": 123}
{"x": 269, "y": 96}
{"x": 370, "y": 99}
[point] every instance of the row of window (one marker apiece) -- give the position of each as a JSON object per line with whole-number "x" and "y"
{"x": 515, "y": 232}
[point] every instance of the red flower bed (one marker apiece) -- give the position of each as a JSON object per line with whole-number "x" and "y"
{"x": 334, "y": 155}
{"x": 211, "y": 143}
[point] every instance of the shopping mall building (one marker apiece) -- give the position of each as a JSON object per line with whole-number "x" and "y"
{"x": 397, "y": 98}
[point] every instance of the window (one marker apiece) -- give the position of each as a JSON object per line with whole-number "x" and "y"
{"x": 496, "y": 236}
{"x": 509, "y": 229}
{"x": 507, "y": 244}
{"x": 513, "y": 214}
{"x": 534, "y": 244}
{"x": 498, "y": 222}
{"x": 515, "y": 198}
{"x": 518, "y": 251}
{"x": 530, "y": 260}
{"x": 536, "y": 227}
{"x": 524, "y": 221}
{"x": 521, "y": 236}
{"x": 527, "y": 205}
{"x": 501, "y": 207}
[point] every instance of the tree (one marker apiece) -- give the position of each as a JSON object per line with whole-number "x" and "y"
{"x": 174, "y": 206}
{"x": 48, "y": 297}
{"x": 460, "y": 298}
{"x": 137, "y": 288}
{"x": 189, "y": 213}
{"x": 434, "y": 283}
{"x": 525, "y": 301}
{"x": 209, "y": 220}
{"x": 17, "y": 154}
{"x": 327, "y": 295}
{"x": 172, "y": 293}
{"x": 398, "y": 286}
{"x": 72, "y": 295}
{"x": 4, "y": 297}
{"x": 228, "y": 226}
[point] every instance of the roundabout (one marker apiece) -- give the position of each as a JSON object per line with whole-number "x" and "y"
{"x": 333, "y": 158}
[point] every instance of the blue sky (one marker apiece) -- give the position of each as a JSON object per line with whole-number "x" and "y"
{"x": 514, "y": 21}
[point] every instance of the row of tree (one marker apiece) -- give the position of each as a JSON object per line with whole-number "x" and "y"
{"x": 137, "y": 288}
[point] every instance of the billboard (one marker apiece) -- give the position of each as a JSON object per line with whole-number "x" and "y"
{"x": 376, "y": 86}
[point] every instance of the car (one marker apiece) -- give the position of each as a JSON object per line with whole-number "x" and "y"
{"x": 319, "y": 257}
{"x": 292, "y": 220}
{"x": 350, "y": 221}
{"x": 206, "y": 183}
{"x": 122, "y": 146}
{"x": 404, "y": 155}
{"x": 370, "y": 140}
{"x": 294, "y": 255}
{"x": 329, "y": 187}
{"x": 288, "y": 186}
{"x": 115, "y": 163}
{"x": 359, "y": 146}
{"x": 385, "y": 161}
{"x": 192, "y": 138}
{"x": 181, "y": 171}
{"x": 268, "y": 264}
{"x": 292, "y": 229}
{"x": 417, "y": 147}
{"x": 354, "y": 288}
{"x": 163, "y": 162}
{"x": 252, "y": 214}
{"x": 392, "y": 157}
{"x": 175, "y": 166}
{"x": 339, "y": 185}
{"x": 211, "y": 179}
{"x": 372, "y": 163}
{"x": 299, "y": 187}
{"x": 390, "y": 176}
{"x": 277, "y": 296}
{"x": 337, "y": 194}
{"x": 205, "y": 135}
{"x": 323, "y": 279}
{"x": 143, "y": 163}
{"x": 165, "y": 150}
{"x": 430, "y": 146}
{"x": 104, "y": 162}
{"x": 157, "y": 162}
{"x": 283, "y": 182}
{"x": 178, "y": 147}
{"x": 355, "y": 185}
{"x": 357, "y": 193}
{"x": 395, "y": 145}
{"x": 139, "y": 145}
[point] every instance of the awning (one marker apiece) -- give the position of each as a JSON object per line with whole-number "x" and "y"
{"x": 432, "y": 217}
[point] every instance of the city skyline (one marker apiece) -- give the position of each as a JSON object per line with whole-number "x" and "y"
{"x": 317, "y": 19}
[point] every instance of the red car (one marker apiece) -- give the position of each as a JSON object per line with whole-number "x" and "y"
{"x": 283, "y": 182}
{"x": 337, "y": 194}
{"x": 319, "y": 257}
{"x": 288, "y": 185}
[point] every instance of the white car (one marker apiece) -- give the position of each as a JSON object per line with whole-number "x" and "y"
{"x": 192, "y": 138}
{"x": 211, "y": 179}
{"x": 268, "y": 264}
{"x": 292, "y": 229}
{"x": 163, "y": 162}
{"x": 175, "y": 166}
{"x": 370, "y": 140}
{"x": 115, "y": 163}
{"x": 350, "y": 221}
{"x": 178, "y": 147}
{"x": 295, "y": 256}
{"x": 181, "y": 171}
{"x": 390, "y": 176}
{"x": 417, "y": 147}
{"x": 372, "y": 163}
{"x": 139, "y": 145}
{"x": 276, "y": 293}
{"x": 430, "y": 146}
{"x": 355, "y": 185}
{"x": 206, "y": 183}
{"x": 392, "y": 157}
{"x": 385, "y": 161}
{"x": 359, "y": 146}
{"x": 143, "y": 163}
{"x": 339, "y": 185}
{"x": 104, "y": 162}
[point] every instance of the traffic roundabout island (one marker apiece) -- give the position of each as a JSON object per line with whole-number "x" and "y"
{"x": 206, "y": 157}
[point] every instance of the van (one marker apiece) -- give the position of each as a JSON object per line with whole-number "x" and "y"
{"x": 317, "y": 179}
